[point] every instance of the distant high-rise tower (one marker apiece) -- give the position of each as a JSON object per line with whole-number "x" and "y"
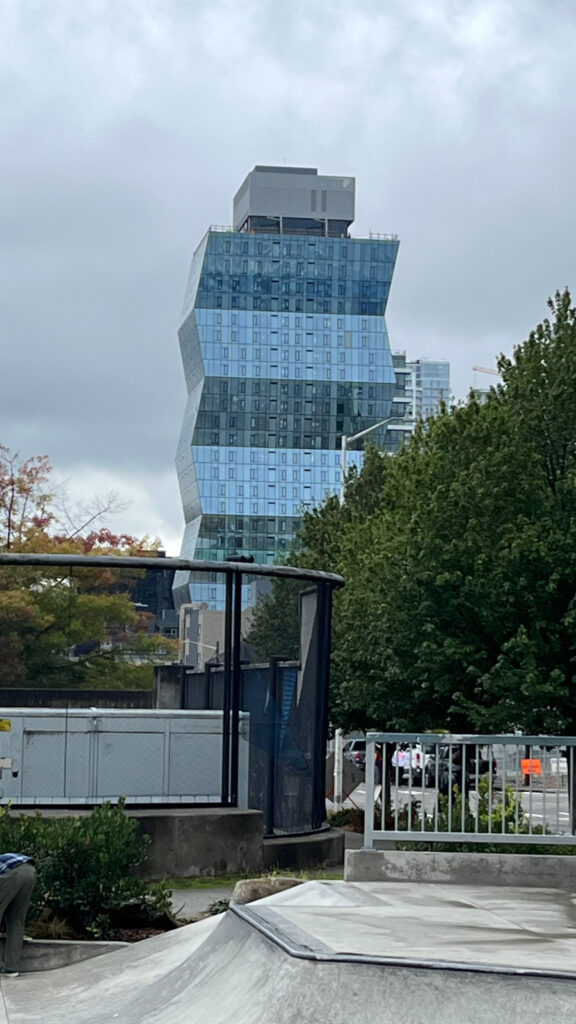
{"x": 422, "y": 385}
{"x": 285, "y": 349}
{"x": 432, "y": 386}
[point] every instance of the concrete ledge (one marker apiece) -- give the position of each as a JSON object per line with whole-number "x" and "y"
{"x": 49, "y": 954}
{"x": 301, "y": 852}
{"x": 201, "y": 841}
{"x": 544, "y": 872}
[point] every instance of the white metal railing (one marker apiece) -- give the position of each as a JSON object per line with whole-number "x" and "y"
{"x": 227, "y": 228}
{"x": 383, "y": 238}
{"x": 469, "y": 788}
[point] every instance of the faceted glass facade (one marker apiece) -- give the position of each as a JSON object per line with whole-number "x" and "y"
{"x": 285, "y": 349}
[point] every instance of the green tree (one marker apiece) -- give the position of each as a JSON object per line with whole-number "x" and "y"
{"x": 460, "y": 559}
{"x": 465, "y": 579}
{"x": 275, "y": 628}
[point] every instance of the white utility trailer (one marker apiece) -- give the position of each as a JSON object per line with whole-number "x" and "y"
{"x": 78, "y": 756}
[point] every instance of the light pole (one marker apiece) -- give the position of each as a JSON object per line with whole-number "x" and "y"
{"x": 356, "y": 437}
{"x": 196, "y": 643}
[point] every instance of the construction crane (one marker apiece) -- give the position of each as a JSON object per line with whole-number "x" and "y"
{"x": 484, "y": 369}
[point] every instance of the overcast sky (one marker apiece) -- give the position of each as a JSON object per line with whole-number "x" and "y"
{"x": 127, "y": 126}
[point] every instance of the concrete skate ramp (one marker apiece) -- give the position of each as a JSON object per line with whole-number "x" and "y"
{"x": 256, "y": 965}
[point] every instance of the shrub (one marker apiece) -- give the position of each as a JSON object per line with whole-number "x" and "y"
{"x": 349, "y": 818}
{"x": 86, "y": 869}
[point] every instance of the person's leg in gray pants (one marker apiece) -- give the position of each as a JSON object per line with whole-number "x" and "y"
{"x": 15, "y": 891}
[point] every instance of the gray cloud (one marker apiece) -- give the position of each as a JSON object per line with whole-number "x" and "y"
{"x": 127, "y": 126}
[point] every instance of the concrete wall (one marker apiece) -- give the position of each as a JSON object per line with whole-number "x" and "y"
{"x": 509, "y": 869}
{"x": 167, "y": 686}
{"x": 201, "y": 841}
{"x": 297, "y": 853}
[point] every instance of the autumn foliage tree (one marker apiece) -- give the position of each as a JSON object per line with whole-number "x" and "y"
{"x": 62, "y": 627}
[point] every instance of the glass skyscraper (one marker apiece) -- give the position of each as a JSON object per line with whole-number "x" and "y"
{"x": 431, "y": 386}
{"x": 422, "y": 385}
{"x": 285, "y": 348}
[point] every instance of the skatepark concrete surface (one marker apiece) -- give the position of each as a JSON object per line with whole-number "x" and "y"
{"x": 333, "y": 952}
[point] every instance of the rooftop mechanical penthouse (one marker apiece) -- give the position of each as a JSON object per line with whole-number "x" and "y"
{"x": 285, "y": 348}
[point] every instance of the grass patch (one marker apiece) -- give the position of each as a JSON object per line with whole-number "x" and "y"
{"x": 204, "y": 882}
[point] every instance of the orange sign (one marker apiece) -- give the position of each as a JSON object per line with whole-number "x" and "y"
{"x": 531, "y": 766}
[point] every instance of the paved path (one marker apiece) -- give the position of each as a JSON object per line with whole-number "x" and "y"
{"x": 188, "y": 903}
{"x": 332, "y": 952}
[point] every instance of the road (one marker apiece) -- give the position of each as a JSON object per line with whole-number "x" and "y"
{"x": 548, "y": 809}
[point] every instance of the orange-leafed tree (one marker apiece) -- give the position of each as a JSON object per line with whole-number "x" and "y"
{"x": 61, "y": 626}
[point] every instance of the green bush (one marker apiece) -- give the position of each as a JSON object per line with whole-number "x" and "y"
{"x": 350, "y": 818}
{"x": 86, "y": 869}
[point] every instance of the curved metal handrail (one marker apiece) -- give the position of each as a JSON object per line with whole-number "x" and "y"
{"x": 185, "y": 564}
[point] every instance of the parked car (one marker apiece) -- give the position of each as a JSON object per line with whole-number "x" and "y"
{"x": 411, "y": 760}
{"x": 355, "y": 750}
{"x": 450, "y": 767}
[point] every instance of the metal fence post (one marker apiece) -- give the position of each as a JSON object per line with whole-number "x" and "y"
{"x": 183, "y": 688}
{"x": 323, "y": 616}
{"x": 338, "y": 770}
{"x": 207, "y": 691}
{"x": 272, "y": 747}
{"x": 226, "y": 699}
{"x": 235, "y": 691}
{"x": 369, "y": 804}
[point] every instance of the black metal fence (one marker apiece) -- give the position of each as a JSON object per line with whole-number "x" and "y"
{"x": 287, "y": 702}
{"x": 288, "y": 707}
{"x": 286, "y": 782}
